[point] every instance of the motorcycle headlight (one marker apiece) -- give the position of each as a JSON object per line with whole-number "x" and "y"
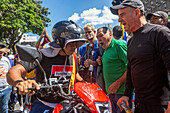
{"x": 103, "y": 107}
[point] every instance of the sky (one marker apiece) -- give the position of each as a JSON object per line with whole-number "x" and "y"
{"x": 96, "y": 12}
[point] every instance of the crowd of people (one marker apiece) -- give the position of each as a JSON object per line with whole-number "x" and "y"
{"x": 140, "y": 65}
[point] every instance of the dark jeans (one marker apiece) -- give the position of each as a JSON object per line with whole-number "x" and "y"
{"x": 4, "y": 98}
{"x": 114, "y": 98}
{"x": 141, "y": 107}
{"x": 38, "y": 107}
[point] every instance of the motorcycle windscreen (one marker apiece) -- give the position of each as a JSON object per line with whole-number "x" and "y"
{"x": 90, "y": 93}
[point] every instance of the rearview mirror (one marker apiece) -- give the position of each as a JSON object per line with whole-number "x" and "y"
{"x": 27, "y": 53}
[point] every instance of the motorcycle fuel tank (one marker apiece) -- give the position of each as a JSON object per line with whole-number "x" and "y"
{"x": 91, "y": 94}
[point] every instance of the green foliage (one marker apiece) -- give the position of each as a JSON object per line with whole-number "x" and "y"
{"x": 21, "y": 16}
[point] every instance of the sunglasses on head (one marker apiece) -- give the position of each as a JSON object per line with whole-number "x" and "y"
{"x": 88, "y": 32}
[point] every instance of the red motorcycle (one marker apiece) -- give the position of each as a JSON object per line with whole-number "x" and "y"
{"x": 86, "y": 97}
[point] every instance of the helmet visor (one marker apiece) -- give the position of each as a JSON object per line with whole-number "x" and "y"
{"x": 79, "y": 38}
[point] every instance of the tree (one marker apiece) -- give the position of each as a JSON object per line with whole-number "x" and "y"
{"x": 20, "y": 16}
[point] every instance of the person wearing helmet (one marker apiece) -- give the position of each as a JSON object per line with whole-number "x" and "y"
{"x": 58, "y": 61}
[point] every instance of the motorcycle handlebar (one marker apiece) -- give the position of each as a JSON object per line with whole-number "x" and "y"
{"x": 58, "y": 86}
{"x": 44, "y": 87}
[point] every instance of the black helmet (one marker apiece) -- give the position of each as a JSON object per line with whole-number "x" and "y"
{"x": 64, "y": 32}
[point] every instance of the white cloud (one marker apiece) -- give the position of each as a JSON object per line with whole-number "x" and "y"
{"x": 90, "y": 12}
{"x": 95, "y": 16}
{"x": 75, "y": 17}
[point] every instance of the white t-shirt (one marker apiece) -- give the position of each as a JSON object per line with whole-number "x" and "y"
{"x": 6, "y": 65}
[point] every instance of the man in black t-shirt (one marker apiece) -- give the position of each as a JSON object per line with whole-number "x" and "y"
{"x": 160, "y": 18}
{"x": 148, "y": 56}
{"x": 58, "y": 62}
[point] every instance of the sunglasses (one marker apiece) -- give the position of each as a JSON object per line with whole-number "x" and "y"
{"x": 88, "y": 32}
